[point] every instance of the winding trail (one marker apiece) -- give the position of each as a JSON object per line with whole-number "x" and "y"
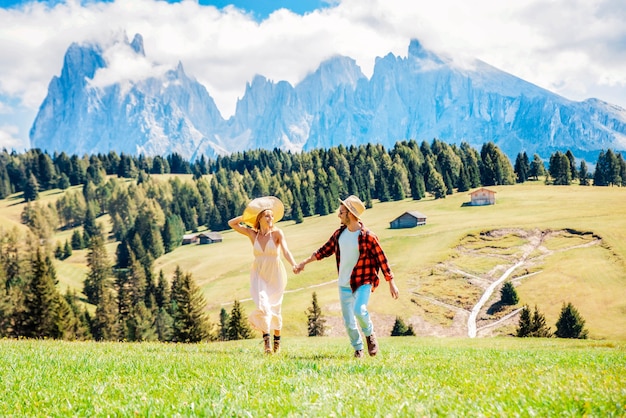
{"x": 536, "y": 240}
{"x": 471, "y": 322}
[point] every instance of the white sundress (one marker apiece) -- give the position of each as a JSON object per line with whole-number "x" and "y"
{"x": 268, "y": 279}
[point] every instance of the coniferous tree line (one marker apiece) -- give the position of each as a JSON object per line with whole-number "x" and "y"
{"x": 407, "y": 169}
{"x": 562, "y": 169}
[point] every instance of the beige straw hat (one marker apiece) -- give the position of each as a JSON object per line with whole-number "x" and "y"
{"x": 260, "y": 204}
{"x": 354, "y": 205}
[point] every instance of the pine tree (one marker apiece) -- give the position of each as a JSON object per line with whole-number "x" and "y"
{"x": 223, "y": 331}
{"x": 31, "y": 189}
{"x": 63, "y": 182}
{"x": 80, "y": 327}
{"x": 436, "y": 185}
{"x": 191, "y": 323}
{"x": 539, "y": 328}
{"x": 524, "y": 327}
{"x": 583, "y": 174}
{"x": 572, "y": 164}
{"x": 162, "y": 292}
{"x": 5, "y": 181}
{"x": 560, "y": 170}
{"x": 238, "y": 328}
{"x": 463, "y": 184}
{"x": 77, "y": 240}
{"x": 600, "y": 173}
{"x": 142, "y": 324}
{"x": 40, "y": 300}
{"x": 90, "y": 228}
{"x": 64, "y": 320}
{"x": 522, "y": 167}
{"x": 106, "y": 322}
{"x": 99, "y": 270}
{"x": 164, "y": 325}
{"x": 58, "y": 251}
{"x": 296, "y": 212}
{"x": 532, "y": 325}
{"x": 67, "y": 250}
{"x": 316, "y": 322}
{"x": 172, "y": 233}
{"x": 508, "y": 294}
{"x": 496, "y": 168}
{"x": 537, "y": 168}
{"x": 570, "y": 323}
{"x": 400, "y": 329}
{"x": 6, "y": 308}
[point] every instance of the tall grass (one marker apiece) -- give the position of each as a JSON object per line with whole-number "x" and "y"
{"x": 315, "y": 377}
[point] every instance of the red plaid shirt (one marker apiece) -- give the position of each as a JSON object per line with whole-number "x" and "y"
{"x": 371, "y": 258}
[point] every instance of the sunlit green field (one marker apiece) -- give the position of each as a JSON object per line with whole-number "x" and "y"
{"x": 315, "y": 377}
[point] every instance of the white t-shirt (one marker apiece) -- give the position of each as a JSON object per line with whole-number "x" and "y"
{"x": 349, "y": 255}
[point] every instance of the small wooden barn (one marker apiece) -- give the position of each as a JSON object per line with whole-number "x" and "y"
{"x": 482, "y": 197}
{"x": 408, "y": 219}
{"x": 210, "y": 237}
{"x": 189, "y": 239}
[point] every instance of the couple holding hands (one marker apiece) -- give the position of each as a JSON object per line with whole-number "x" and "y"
{"x": 358, "y": 254}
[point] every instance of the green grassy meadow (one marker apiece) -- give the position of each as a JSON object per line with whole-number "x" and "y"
{"x": 315, "y": 377}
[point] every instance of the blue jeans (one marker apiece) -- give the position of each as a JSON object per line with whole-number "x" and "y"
{"x": 354, "y": 309}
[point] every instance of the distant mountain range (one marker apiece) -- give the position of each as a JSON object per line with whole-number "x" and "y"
{"x": 421, "y": 97}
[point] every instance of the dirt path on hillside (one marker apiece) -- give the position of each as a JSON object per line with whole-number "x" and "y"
{"x": 477, "y": 321}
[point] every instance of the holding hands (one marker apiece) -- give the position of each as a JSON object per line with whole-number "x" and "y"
{"x": 297, "y": 268}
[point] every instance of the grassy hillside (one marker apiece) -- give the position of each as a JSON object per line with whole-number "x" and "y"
{"x": 571, "y": 239}
{"x": 315, "y": 377}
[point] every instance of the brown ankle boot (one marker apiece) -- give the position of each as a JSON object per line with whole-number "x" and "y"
{"x": 266, "y": 341}
{"x": 276, "y": 343}
{"x": 372, "y": 345}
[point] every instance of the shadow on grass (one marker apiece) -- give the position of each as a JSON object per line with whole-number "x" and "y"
{"x": 315, "y": 357}
{"x": 496, "y": 307}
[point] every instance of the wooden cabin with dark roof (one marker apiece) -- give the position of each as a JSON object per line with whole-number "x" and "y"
{"x": 408, "y": 219}
{"x": 210, "y": 237}
{"x": 189, "y": 239}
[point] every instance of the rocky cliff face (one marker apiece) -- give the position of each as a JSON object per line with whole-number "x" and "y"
{"x": 421, "y": 97}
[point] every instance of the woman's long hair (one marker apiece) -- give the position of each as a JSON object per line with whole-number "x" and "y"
{"x": 257, "y": 223}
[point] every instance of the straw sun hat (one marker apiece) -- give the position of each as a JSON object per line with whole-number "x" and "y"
{"x": 260, "y": 204}
{"x": 354, "y": 205}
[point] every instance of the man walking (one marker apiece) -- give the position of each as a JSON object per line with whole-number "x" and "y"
{"x": 359, "y": 257}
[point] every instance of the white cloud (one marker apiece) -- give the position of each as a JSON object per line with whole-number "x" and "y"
{"x": 576, "y": 48}
{"x": 125, "y": 66}
{"x": 9, "y": 138}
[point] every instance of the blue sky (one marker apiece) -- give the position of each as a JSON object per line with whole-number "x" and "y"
{"x": 263, "y": 8}
{"x": 260, "y": 8}
{"x": 575, "y": 48}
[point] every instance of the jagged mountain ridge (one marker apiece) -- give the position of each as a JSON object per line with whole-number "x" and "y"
{"x": 422, "y": 96}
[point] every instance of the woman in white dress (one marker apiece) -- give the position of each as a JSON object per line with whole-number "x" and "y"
{"x": 268, "y": 276}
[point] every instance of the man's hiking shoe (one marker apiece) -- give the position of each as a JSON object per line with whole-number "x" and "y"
{"x": 276, "y": 344}
{"x": 372, "y": 345}
{"x": 358, "y": 353}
